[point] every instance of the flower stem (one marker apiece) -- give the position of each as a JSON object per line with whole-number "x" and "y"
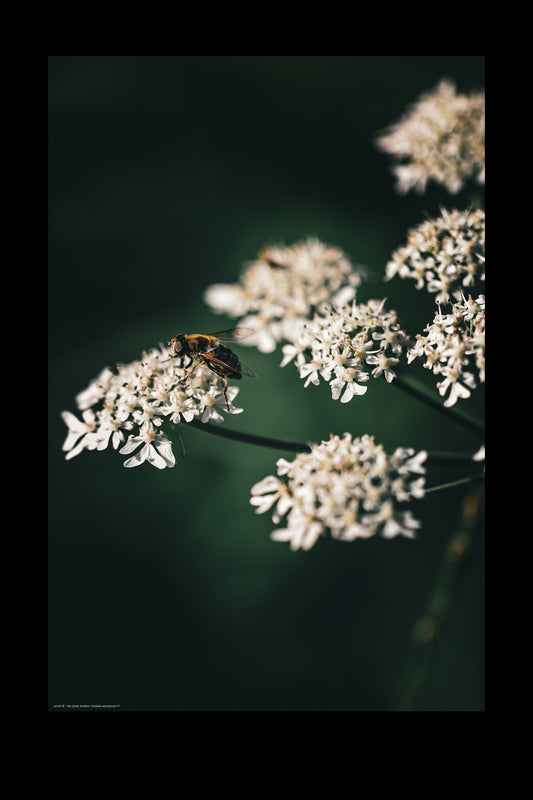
{"x": 426, "y": 631}
{"x": 437, "y": 457}
{"x": 250, "y": 438}
{"x": 459, "y": 482}
{"x": 407, "y": 385}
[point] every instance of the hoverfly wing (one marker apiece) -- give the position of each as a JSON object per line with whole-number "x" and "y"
{"x": 247, "y": 371}
{"x": 233, "y": 334}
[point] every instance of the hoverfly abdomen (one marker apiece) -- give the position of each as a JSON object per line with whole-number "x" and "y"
{"x": 223, "y": 362}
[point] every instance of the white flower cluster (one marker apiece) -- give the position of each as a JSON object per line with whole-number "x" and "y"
{"x": 349, "y": 487}
{"x": 443, "y": 255}
{"x": 136, "y": 400}
{"x": 440, "y": 138}
{"x": 337, "y": 345}
{"x": 280, "y": 290}
{"x": 454, "y": 348}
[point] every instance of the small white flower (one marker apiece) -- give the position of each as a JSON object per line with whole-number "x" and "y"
{"x": 211, "y": 401}
{"x": 347, "y": 386}
{"x": 180, "y": 405}
{"x": 310, "y": 370}
{"x": 148, "y": 412}
{"x": 107, "y": 433}
{"x": 79, "y": 432}
{"x": 384, "y": 364}
{"x": 457, "y": 389}
{"x": 268, "y": 492}
{"x": 110, "y": 429}
{"x": 155, "y": 449}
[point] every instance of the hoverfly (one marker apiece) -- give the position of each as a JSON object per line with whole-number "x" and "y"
{"x": 206, "y": 348}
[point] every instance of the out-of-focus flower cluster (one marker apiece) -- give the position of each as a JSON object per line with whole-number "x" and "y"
{"x": 440, "y": 138}
{"x": 129, "y": 406}
{"x": 454, "y": 347}
{"x": 280, "y": 290}
{"x": 349, "y": 487}
{"x": 443, "y": 255}
{"x": 338, "y": 345}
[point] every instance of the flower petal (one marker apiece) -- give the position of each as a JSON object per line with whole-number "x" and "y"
{"x": 138, "y": 458}
{"x": 154, "y": 458}
{"x": 164, "y": 448}
{"x": 131, "y": 444}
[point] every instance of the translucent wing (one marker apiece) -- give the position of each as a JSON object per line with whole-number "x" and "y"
{"x": 247, "y": 371}
{"x": 233, "y": 334}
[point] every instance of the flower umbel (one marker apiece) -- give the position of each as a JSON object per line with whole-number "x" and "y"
{"x": 440, "y": 138}
{"x": 348, "y": 487}
{"x": 280, "y": 289}
{"x": 455, "y": 348}
{"x": 338, "y": 345}
{"x": 443, "y": 255}
{"x": 139, "y": 399}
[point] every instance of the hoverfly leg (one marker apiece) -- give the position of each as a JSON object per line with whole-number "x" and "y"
{"x": 188, "y": 375}
{"x": 225, "y": 395}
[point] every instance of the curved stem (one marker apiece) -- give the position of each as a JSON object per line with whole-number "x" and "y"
{"x": 437, "y": 457}
{"x": 460, "y": 416}
{"x": 250, "y": 438}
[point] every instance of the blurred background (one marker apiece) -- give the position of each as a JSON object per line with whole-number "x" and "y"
{"x": 167, "y": 174}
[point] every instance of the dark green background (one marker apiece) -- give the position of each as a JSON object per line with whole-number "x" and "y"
{"x": 166, "y": 174}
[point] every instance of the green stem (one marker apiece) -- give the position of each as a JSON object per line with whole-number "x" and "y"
{"x": 250, "y": 438}
{"x": 408, "y": 385}
{"x": 429, "y": 626}
{"x": 460, "y": 482}
{"x": 437, "y": 457}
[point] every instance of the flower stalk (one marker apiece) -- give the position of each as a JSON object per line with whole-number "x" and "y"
{"x": 436, "y": 457}
{"x": 408, "y": 385}
{"x": 459, "y": 482}
{"x": 426, "y": 631}
{"x": 250, "y": 438}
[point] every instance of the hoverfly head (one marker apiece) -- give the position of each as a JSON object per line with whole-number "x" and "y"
{"x": 176, "y": 346}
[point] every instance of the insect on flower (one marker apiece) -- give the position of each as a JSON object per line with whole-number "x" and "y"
{"x": 206, "y": 348}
